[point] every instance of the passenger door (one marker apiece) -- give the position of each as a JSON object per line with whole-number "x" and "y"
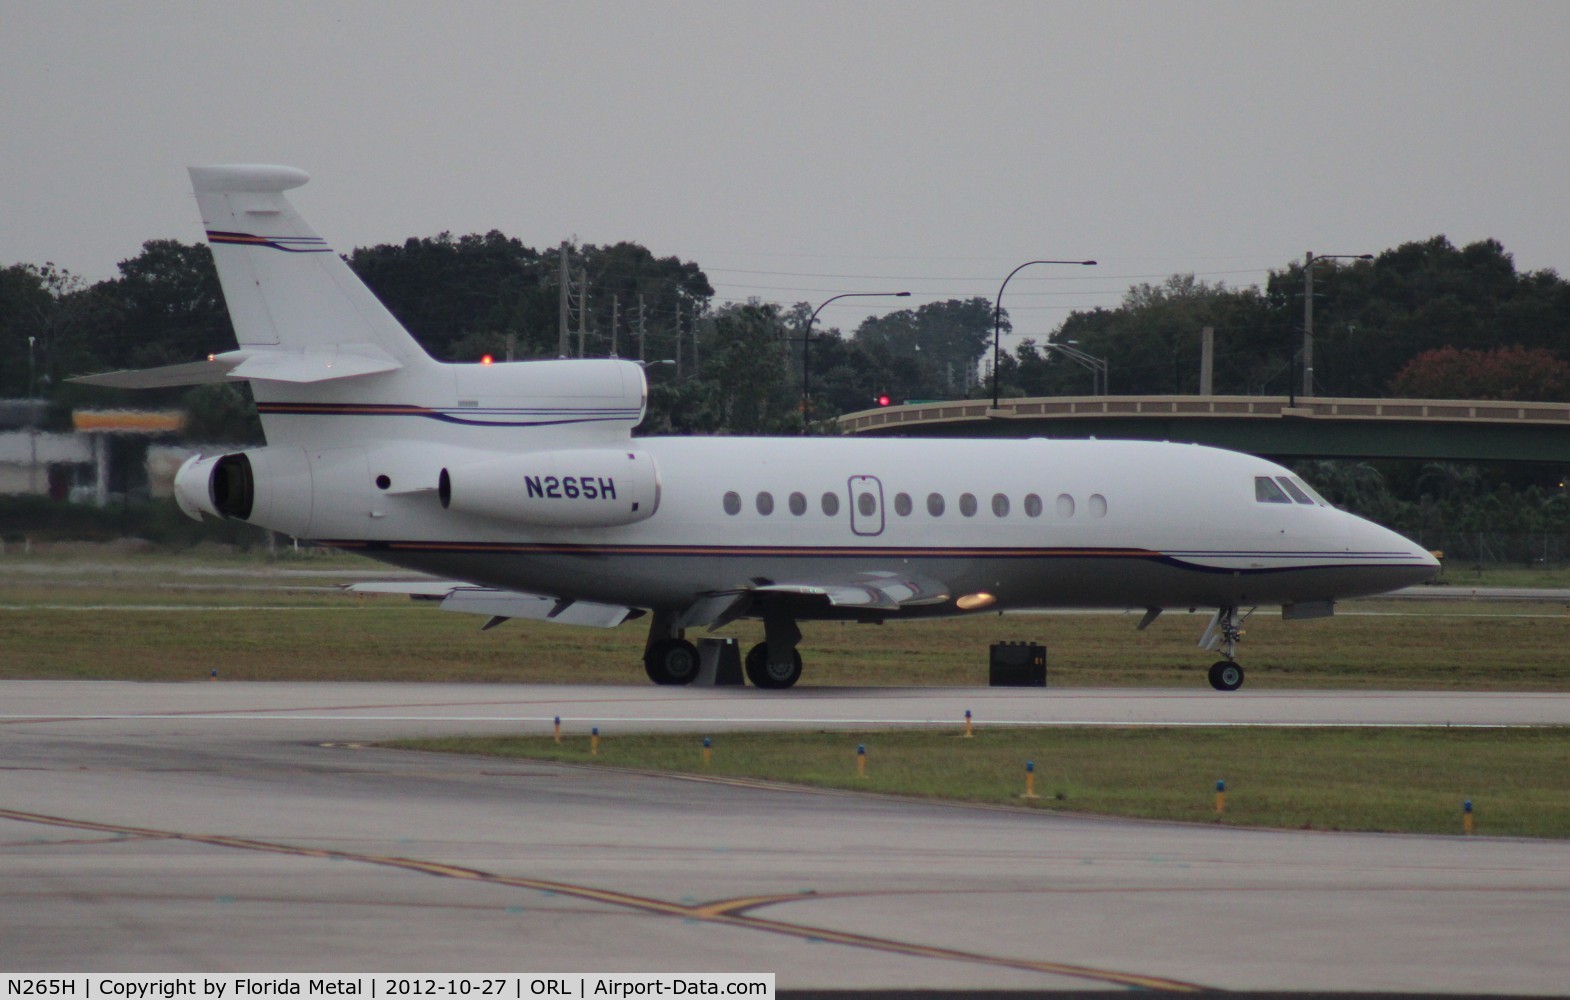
{"x": 866, "y": 505}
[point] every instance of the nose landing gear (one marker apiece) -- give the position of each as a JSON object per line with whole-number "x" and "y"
{"x": 1222, "y": 635}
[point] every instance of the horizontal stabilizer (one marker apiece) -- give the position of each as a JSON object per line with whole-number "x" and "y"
{"x": 313, "y": 366}
{"x": 215, "y": 369}
{"x": 297, "y": 367}
{"x": 502, "y": 604}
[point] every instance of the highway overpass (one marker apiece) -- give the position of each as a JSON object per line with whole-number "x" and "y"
{"x": 1272, "y": 426}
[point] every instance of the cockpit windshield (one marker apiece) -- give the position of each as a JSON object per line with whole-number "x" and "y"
{"x": 1286, "y": 489}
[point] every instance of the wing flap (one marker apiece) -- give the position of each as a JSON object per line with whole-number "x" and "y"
{"x": 500, "y": 605}
{"x": 875, "y": 591}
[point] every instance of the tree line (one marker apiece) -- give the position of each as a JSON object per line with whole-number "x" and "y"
{"x": 1424, "y": 320}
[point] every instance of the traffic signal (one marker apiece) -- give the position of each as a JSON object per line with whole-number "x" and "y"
{"x": 884, "y": 399}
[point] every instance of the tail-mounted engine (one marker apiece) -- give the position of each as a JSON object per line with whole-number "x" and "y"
{"x": 266, "y": 486}
{"x": 578, "y": 488}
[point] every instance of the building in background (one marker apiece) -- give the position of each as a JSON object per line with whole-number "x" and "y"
{"x": 107, "y": 453}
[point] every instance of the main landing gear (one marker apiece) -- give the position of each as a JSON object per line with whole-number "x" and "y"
{"x": 667, "y": 657}
{"x": 774, "y": 663}
{"x": 1225, "y": 629}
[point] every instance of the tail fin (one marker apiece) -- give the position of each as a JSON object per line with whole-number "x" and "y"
{"x": 285, "y": 287}
{"x": 329, "y": 366}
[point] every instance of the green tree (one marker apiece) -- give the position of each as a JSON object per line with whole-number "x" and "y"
{"x": 29, "y": 305}
{"x": 169, "y": 307}
{"x": 940, "y": 342}
{"x": 1152, "y": 341}
{"x": 221, "y": 413}
{"x": 449, "y": 290}
{"x": 746, "y": 389}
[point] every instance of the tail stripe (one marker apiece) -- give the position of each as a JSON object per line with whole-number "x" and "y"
{"x": 288, "y": 244}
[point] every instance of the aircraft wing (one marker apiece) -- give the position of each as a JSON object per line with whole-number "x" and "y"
{"x": 871, "y": 591}
{"x": 264, "y": 365}
{"x": 501, "y": 605}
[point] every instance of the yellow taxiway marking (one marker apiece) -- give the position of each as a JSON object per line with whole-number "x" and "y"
{"x": 724, "y": 912}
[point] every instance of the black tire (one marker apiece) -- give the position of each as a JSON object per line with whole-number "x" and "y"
{"x": 1226, "y": 676}
{"x": 763, "y": 674}
{"x": 671, "y": 661}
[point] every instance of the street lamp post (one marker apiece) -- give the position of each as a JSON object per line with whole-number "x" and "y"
{"x": 806, "y": 347}
{"x": 1097, "y": 366}
{"x": 997, "y": 316}
{"x": 1309, "y": 260}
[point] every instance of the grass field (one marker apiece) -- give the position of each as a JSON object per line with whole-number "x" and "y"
{"x": 1393, "y": 780}
{"x": 97, "y": 614}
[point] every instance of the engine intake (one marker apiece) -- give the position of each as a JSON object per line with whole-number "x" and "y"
{"x": 269, "y": 485}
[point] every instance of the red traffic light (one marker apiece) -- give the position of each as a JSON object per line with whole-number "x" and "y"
{"x": 884, "y": 399}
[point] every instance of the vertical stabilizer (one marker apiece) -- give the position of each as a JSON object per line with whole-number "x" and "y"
{"x": 285, "y": 287}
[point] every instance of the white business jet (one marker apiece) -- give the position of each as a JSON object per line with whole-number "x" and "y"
{"x": 523, "y": 486}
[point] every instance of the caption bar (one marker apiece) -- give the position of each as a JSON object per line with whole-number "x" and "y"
{"x": 513, "y": 986}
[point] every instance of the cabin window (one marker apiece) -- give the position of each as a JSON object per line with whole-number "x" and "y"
{"x": 1065, "y": 505}
{"x": 765, "y": 502}
{"x": 902, "y": 504}
{"x": 935, "y": 504}
{"x": 1266, "y": 491}
{"x": 867, "y": 504}
{"x": 831, "y": 504}
{"x": 1293, "y": 491}
{"x": 1098, "y": 505}
{"x": 1000, "y": 505}
{"x": 1032, "y": 505}
{"x": 798, "y": 504}
{"x": 967, "y": 504}
{"x": 733, "y": 502}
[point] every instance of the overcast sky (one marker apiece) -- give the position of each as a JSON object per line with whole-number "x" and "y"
{"x": 799, "y": 150}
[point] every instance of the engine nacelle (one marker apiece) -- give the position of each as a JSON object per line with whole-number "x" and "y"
{"x": 578, "y": 488}
{"x": 266, "y": 486}
{"x": 192, "y": 489}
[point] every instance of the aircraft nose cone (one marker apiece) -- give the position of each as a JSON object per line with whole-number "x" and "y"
{"x": 1399, "y": 561}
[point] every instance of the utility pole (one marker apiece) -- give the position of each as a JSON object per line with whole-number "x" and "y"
{"x": 1309, "y": 260}
{"x": 615, "y": 318}
{"x": 1207, "y": 361}
{"x": 678, "y": 338}
{"x": 642, "y": 352}
{"x": 561, "y": 337}
{"x": 1308, "y": 323}
{"x": 583, "y": 308}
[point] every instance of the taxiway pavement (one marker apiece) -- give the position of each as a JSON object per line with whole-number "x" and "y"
{"x": 229, "y": 827}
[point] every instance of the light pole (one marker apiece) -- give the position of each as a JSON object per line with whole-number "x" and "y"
{"x": 806, "y": 346}
{"x": 32, "y": 370}
{"x": 1097, "y": 366}
{"x": 997, "y": 315}
{"x": 1309, "y": 260}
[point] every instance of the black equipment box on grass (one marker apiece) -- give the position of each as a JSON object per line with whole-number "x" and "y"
{"x": 1018, "y": 664}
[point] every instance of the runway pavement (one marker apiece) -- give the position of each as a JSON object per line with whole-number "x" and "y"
{"x": 233, "y": 827}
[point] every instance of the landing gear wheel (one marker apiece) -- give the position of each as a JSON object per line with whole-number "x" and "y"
{"x": 764, "y": 674}
{"x": 1226, "y": 676}
{"x": 671, "y": 661}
